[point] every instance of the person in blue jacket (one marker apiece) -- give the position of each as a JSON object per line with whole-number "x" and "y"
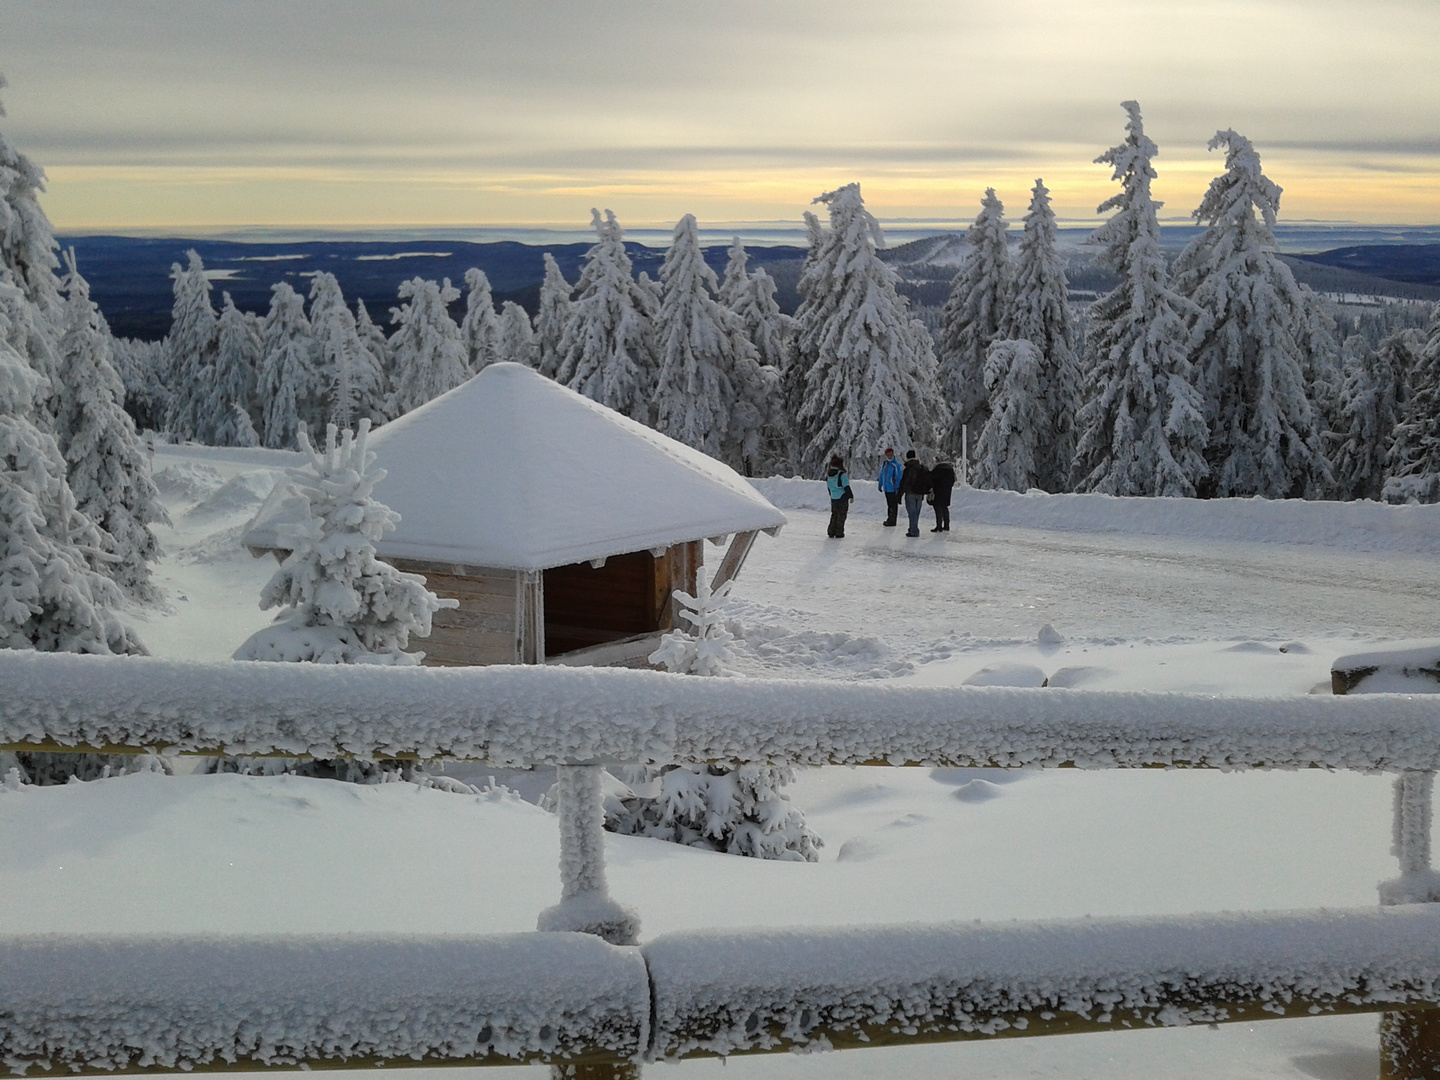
{"x": 838, "y": 481}
{"x": 890, "y": 473}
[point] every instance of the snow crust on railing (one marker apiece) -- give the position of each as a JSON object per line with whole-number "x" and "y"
{"x": 725, "y": 992}
{"x": 531, "y": 715}
{"x": 101, "y": 1002}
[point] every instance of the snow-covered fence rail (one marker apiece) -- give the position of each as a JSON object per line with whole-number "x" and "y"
{"x": 546, "y": 716}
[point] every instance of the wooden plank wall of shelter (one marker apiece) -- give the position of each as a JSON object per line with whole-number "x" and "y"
{"x": 485, "y": 628}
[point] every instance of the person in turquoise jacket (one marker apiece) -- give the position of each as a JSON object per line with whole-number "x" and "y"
{"x": 838, "y": 481}
{"x": 890, "y": 473}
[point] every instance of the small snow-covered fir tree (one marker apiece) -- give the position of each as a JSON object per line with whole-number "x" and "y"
{"x": 1412, "y": 468}
{"x": 141, "y": 366}
{"x": 973, "y": 316}
{"x": 429, "y": 355}
{"x": 609, "y": 352}
{"x": 480, "y": 330}
{"x": 517, "y": 342}
{"x": 106, "y": 465}
{"x": 553, "y": 317}
{"x": 1039, "y": 312}
{"x": 1008, "y": 453}
{"x": 1370, "y": 402}
{"x": 291, "y": 388}
{"x": 738, "y": 808}
{"x": 1142, "y": 424}
{"x": 192, "y": 344}
{"x": 736, "y": 281}
{"x": 237, "y": 366}
{"x": 1248, "y": 363}
{"x": 341, "y": 604}
{"x": 867, "y": 367}
{"x": 701, "y": 341}
{"x": 351, "y": 371}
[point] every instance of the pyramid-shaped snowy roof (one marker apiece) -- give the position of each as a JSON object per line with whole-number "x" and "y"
{"x": 513, "y": 470}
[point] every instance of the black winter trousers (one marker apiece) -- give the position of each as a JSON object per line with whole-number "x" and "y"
{"x": 839, "y": 510}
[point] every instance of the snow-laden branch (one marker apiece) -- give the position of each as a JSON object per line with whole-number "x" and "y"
{"x": 540, "y": 715}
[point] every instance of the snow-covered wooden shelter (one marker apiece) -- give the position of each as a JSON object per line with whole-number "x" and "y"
{"x": 561, "y": 527}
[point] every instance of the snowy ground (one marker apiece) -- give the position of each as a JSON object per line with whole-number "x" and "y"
{"x": 1165, "y": 602}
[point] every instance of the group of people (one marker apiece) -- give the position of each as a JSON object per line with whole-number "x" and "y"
{"x": 911, "y": 483}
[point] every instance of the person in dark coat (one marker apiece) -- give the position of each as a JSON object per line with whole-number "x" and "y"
{"x": 889, "y": 485}
{"x": 838, "y": 481}
{"x": 914, "y": 485}
{"x": 942, "y": 480}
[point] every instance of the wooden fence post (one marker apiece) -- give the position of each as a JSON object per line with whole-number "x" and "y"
{"x": 1410, "y": 1040}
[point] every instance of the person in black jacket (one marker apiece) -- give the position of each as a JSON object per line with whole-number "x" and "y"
{"x": 837, "y": 480}
{"x": 942, "y": 480}
{"x": 914, "y": 485}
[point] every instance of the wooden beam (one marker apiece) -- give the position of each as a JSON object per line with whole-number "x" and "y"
{"x": 734, "y": 558}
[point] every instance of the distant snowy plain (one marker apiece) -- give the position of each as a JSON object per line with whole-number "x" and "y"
{"x": 1241, "y": 597}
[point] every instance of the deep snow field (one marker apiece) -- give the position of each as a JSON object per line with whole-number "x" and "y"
{"x": 1233, "y": 597}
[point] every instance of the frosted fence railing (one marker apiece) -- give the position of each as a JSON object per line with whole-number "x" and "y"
{"x": 581, "y": 720}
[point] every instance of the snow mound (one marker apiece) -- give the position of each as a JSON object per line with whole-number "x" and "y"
{"x": 242, "y": 493}
{"x": 180, "y": 1002}
{"x": 188, "y": 481}
{"x": 830, "y": 654}
{"x": 978, "y": 791}
{"x": 1049, "y": 636}
{"x": 1080, "y": 676}
{"x": 1007, "y": 674}
{"x": 216, "y": 547}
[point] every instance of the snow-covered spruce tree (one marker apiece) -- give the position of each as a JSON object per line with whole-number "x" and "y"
{"x": 480, "y": 330}
{"x": 27, "y": 253}
{"x": 341, "y": 605}
{"x": 1039, "y": 312}
{"x": 608, "y": 352}
{"x": 737, "y": 278}
{"x": 429, "y": 355}
{"x": 1247, "y": 356}
{"x": 373, "y": 339}
{"x": 1370, "y": 403}
{"x": 350, "y": 370}
{"x": 553, "y": 317}
{"x": 516, "y": 338}
{"x": 237, "y": 369}
{"x": 973, "y": 315}
{"x": 868, "y": 367}
{"x": 1142, "y": 424}
{"x": 700, "y": 341}
{"x": 140, "y": 365}
{"x": 192, "y": 345}
{"x": 1412, "y": 468}
{"x": 1007, "y": 455}
{"x": 737, "y": 808}
{"x": 792, "y": 374}
{"x": 773, "y": 335}
{"x": 106, "y": 465}
{"x": 291, "y": 389}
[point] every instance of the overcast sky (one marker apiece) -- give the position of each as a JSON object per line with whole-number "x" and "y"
{"x": 250, "y": 112}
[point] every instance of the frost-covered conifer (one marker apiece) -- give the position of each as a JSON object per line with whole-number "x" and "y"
{"x": 700, "y": 341}
{"x": 140, "y": 365}
{"x": 106, "y": 465}
{"x": 51, "y": 599}
{"x": 290, "y": 383}
{"x": 736, "y": 281}
{"x": 608, "y": 352}
{"x": 237, "y": 367}
{"x": 1370, "y": 407}
{"x": 739, "y": 808}
{"x": 341, "y": 604}
{"x": 973, "y": 315}
{"x": 27, "y": 243}
{"x": 1142, "y": 425}
{"x": 553, "y": 317}
{"x": 429, "y": 355}
{"x": 373, "y": 339}
{"x": 192, "y": 345}
{"x": 770, "y": 330}
{"x": 762, "y": 391}
{"x": 516, "y": 341}
{"x": 1039, "y": 312}
{"x": 868, "y": 367}
{"x": 351, "y": 372}
{"x": 1007, "y": 455}
{"x": 1248, "y": 363}
{"x": 1412, "y": 468}
{"x": 480, "y": 331}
